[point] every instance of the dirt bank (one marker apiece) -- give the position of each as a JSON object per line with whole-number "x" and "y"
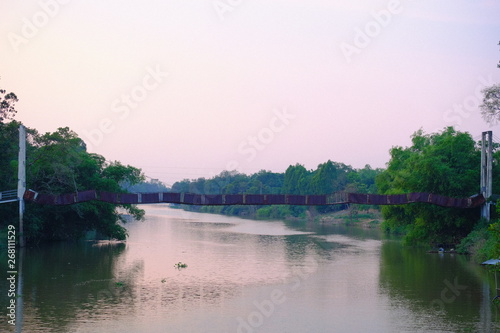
{"x": 366, "y": 219}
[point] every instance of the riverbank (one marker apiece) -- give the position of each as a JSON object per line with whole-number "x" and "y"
{"x": 368, "y": 219}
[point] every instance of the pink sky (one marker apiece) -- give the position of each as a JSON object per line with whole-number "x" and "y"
{"x": 185, "y": 89}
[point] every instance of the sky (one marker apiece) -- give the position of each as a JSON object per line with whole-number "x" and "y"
{"x": 187, "y": 89}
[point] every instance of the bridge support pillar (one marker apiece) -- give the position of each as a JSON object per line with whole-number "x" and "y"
{"x": 21, "y": 184}
{"x": 486, "y": 171}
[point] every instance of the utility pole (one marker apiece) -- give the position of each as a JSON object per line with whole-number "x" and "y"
{"x": 21, "y": 184}
{"x": 486, "y": 171}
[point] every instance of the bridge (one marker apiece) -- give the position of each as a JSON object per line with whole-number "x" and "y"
{"x": 252, "y": 199}
{"x": 8, "y": 196}
{"x": 22, "y": 194}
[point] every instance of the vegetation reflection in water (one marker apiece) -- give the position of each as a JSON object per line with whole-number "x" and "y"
{"x": 449, "y": 287}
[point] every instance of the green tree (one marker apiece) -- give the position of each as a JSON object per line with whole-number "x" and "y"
{"x": 443, "y": 163}
{"x": 324, "y": 179}
{"x": 182, "y": 186}
{"x": 367, "y": 177}
{"x": 59, "y": 163}
{"x": 265, "y": 182}
{"x": 8, "y": 152}
{"x": 9, "y": 148}
{"x": 296, "y": 180}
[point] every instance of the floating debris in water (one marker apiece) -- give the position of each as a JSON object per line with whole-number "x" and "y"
{"x": 180, "y": 265}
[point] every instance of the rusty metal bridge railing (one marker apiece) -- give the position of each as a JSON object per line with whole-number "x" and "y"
{"x": 253, "y": 199}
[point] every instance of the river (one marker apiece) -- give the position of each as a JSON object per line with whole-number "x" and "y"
{"x": 247, "y": 276}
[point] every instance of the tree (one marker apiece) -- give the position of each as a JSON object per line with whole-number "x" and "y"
{"x": 58, "y": 163}
{"x": 7, "y": 105}
{"x": 330, "y": 177}
{"x": 266, "y": 182}
{"x": 296, "y": 180}
{"x": 445, "y": 163}
{"x": 490, "y": 109}
{"x": 323, "y": 179}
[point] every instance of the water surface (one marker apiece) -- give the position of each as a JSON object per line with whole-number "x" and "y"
{"x": 249, "y": 276}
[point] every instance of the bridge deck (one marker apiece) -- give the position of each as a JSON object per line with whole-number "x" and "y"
{"x": 253, "y": 199}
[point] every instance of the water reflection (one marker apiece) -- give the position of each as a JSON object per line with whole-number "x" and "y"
{"x": 446, "y": 289}
{"x": 312, "y": 277}
{"x": 57, "y": 279}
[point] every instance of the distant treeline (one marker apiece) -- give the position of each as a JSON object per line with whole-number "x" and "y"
{"x": 151, "y": 186}
{"x": 328, "y": 177}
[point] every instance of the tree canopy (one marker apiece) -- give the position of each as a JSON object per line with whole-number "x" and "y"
{"x": 445, "y": 163}
{"x": 59, "y": 163}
